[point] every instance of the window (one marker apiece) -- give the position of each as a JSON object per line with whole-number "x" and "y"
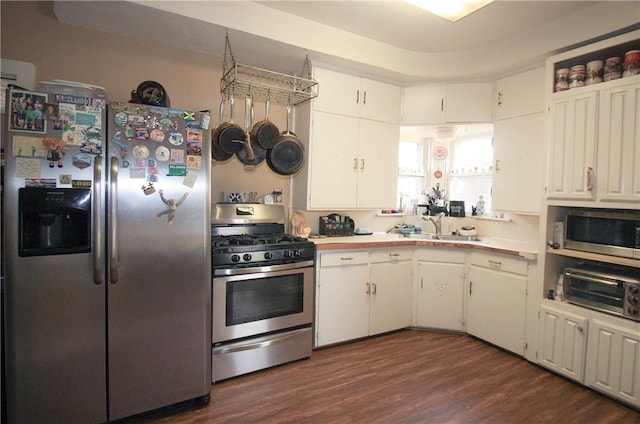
{"x": 411, "y": 178}
{"x": 470, "y": 176}
{"x": 464, "y": 175}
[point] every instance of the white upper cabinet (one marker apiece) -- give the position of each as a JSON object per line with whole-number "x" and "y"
{"x": 594, "y": 141}
{"x": 438, "y": 104}
{"x": 423, "y": 104}
{"x": 619, "y": 143}
{"x": 469, "y": 102}
{"x": 350, "y": 95}
{"x": 520, "y": 94}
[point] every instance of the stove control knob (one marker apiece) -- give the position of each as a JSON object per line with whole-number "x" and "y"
{"x": 235, "y": 258}
{"x": 297, "y": 253}
{"x": 268, "y": 255}
{"x": 246, "y": 257}
{"x": 633, "y": 299}
{"x": 632, "y": 310}
{"x": 288, "y": 254}
{"x": 634, "y": 290}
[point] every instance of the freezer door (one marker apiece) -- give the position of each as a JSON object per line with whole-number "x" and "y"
{"x": 54, "y": 304}
{"x": 159, "y": 284}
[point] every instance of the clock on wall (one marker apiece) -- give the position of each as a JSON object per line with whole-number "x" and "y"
{"x": 439, "y": 153}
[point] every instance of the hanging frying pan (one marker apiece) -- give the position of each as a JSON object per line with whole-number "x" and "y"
{"x": 287, "y": 156}
{"x": 216, "y": 152}
{"x": 252, "y": 154}
{"x": 265, "y": 132}
{"x": 231, "y": 137}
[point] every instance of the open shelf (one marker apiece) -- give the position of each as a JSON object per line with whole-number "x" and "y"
{"x": 595, "y": 257}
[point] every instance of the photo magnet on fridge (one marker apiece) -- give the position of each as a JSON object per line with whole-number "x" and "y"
{"x": 27, "y": 112}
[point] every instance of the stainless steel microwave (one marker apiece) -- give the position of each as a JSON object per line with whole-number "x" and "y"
{"x": 606, "y": 288}
{"x": 605, "y": 231}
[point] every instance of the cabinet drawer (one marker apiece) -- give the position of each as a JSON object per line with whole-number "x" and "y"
{"x": 499, "y": 262}
{"x": 453, "y": 256}
{"x": 347, "y": 257}
{"x": 391, "y": 255}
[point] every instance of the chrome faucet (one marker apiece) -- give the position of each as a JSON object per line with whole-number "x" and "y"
{"x": 436, "y": 222}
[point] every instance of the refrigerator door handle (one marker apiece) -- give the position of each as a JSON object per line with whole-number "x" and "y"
{"x": 113, "y": 221}
{"x": 97, "y": 220}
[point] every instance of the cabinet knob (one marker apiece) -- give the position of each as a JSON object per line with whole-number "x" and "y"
{"x": 362, "y": 164}
{"x": 368, "y": 288}
{"x": 499, "y": 98}
{"x": 364, "y": 98}
{"x": 580, "y": 329}
{"x": 357, "y": 96}
{"x": 355, "y": 163}
{"x": 589, "y": 178}
{"x": 375, "y": 288}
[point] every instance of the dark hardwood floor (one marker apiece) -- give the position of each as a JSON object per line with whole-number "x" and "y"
{"x": 410, "y": 376}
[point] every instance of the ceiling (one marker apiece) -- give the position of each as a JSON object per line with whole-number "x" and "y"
{"x": 387, "y": 40}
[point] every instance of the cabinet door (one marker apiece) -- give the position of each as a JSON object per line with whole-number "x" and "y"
{"x": 424, "y": 104}
{"x": 572, "y": 142}
{"x": 520, "y": 94}
{"x": 613, "y": 360}
{"x": 338, "y": 93}
{"x": 391, "y": 296}
{"x": 440, "y": 295}
{"x": 563, "y": 340}
{"x": 496, "y": 308}
{"x": 619, "y": 144}
{"x": 469, "y": 102}
{"x": 343, "y": 304}
{"x": 377, "y": 165}
{"x": 380, "y": 101}
{"x": 333, "y": 171}
{"x": 518, "y": 172}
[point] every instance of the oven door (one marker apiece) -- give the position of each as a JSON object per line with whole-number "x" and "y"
{"x": 595, "y": 291}
{"x": 253, "y": 301}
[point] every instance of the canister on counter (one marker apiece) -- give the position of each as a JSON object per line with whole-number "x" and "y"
{"x": 562, "y": 79}
{"x": 612, "y": 68}
{"x": 595, "y": 72}
{"x": 577, "y": 76}
{"x": 631, "y": 63}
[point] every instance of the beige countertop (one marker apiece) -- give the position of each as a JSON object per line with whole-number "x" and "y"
{"x": 377, "y": 240}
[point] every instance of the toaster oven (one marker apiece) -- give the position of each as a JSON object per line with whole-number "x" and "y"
{"x": 607, "y": 288}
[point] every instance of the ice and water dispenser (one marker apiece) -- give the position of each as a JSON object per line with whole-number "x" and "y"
{"x": 54, "y": 221}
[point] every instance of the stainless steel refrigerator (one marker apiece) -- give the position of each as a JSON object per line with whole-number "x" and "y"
{"x": 106, "y": 247}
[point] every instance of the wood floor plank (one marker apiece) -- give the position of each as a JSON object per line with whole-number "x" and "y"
{"x": 411, "y": 376}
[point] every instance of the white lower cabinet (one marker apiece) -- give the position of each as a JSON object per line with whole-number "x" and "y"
{"x": 593, "y": 348}
{"x": 360, "y": 295}
{"x": 496, "y": 301}
{"x": 390, "y": 295}
{"x": 613, "y": 359}
{"x": 440, "y": 289}
{"x": 563, "y": 342}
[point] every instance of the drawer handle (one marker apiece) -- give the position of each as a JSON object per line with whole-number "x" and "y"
{"x": 375, "y": 289}
{"x": 348, "y": 258}
{"x": 394, "y": 255}
{"x": 495, "y": 264}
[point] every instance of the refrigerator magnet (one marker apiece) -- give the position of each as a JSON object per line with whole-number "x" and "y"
{"x": 120, "y": 119}
{"x": 141, "y": 152}
{"x": 176, "y": 138}
{"x": 157, "y": 135}
{"x": 162, "y": 154}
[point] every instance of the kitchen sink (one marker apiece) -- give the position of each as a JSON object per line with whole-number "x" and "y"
{"x": 443, "y": 237}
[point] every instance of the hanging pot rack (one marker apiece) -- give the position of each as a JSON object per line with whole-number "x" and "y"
{"x": 241, "y": 80}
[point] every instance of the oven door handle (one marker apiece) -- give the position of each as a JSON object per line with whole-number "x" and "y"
{"x": 268, "y": 268}
{"x": 591, "y": 279}
{"x": 258, "y": 345}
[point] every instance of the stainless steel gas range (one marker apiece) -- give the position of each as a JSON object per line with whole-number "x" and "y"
{"x": 262, "y": 306}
